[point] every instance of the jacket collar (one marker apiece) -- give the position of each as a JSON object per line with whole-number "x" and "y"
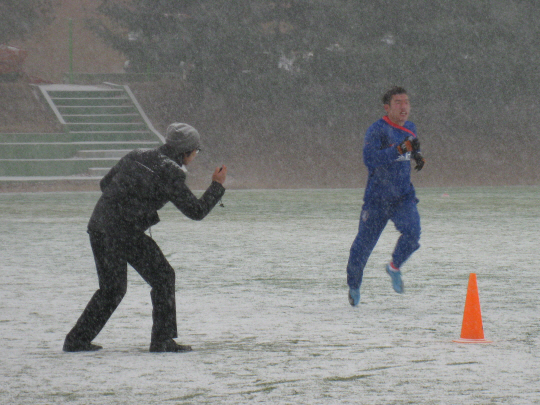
{"x": 394, "y": 125}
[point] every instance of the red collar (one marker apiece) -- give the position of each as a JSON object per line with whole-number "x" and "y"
{"x": 394, "y": 125}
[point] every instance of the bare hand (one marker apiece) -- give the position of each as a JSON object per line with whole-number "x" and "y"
{"x": 220, "y": 174}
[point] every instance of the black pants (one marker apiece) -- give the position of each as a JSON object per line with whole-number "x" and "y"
{"x": 112, "y": 254}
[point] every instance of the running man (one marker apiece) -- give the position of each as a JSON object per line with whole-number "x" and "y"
{"x": 390, "y": 143}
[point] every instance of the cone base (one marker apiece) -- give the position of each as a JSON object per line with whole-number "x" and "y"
{"x": 461, "y": 340}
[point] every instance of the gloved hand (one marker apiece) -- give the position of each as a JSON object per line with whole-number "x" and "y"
{"x": 411, "y": 144}
{"x": 419, "y": 159}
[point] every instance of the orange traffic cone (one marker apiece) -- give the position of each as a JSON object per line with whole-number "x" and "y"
{"x": 472, "y": 330}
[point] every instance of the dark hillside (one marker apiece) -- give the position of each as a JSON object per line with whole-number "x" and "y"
{"x": 317, "y": 142}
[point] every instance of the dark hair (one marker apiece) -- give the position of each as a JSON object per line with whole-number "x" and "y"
{"x": 387, "y": 97}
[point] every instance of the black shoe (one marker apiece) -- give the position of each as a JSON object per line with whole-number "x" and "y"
{"x": 168, "y": 345}
{"x": 80, "y": 347}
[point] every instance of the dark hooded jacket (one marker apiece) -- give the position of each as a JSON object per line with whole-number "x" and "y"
{"x": 140, "y": 184}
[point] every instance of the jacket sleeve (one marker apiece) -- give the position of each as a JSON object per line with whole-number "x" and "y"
{"x": 193, "y": 207}
{"x": 181, "y": 196}
{"x": 377, "y": 149}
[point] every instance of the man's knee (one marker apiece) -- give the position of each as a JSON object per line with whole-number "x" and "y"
{"x": 114, "y": 294}
{"x": 414, "y": 239}
{"x": 169, "y": 277}
{"x": 165, "y": 280}
{"x": 415, "y": 234}
{"x": 411, "y": 237}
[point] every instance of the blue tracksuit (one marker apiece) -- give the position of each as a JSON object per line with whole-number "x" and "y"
{"x": 389, "y": 195}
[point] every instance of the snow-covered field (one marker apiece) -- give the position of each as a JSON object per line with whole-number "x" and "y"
{"x": 262, "y": 298}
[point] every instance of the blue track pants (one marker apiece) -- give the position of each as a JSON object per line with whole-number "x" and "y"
{"x": 373, "y": 220}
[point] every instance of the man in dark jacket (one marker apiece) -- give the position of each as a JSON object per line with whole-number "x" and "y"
{"x": 140, "y": 184}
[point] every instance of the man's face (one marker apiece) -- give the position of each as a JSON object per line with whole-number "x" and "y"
{"x": 399, "y": 108}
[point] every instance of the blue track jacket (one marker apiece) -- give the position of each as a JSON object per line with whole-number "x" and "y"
{"x": 389, "y": 173}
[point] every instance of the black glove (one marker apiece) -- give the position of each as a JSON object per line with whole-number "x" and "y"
{"x": 415, "y": 143}
{"x": 419, "y": 159}
{"x": 411, "y": 144}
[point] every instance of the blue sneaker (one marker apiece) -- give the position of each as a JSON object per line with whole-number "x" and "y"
{"x": 354, "y": 296}
{"x": 397, "y": 283}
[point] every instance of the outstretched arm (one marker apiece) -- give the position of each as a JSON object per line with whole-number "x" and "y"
{"x": 191, "y": 206}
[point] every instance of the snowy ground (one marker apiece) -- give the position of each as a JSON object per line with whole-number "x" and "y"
{"x": 261, "y": 297}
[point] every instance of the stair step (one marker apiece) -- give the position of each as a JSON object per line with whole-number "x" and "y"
{"x": 103, "y": 118}
{"x": 119, "y": 136}
{"x": 113, "y": 135}
{"x": 100, "y": 153}
{"x": 31, "y": 137}
{"x": 51, "y": 167}
{"x": 64, "y": 150}
{"x": 91, "y": 110}
{"x": 91, "y": 102}
{"x": 80, "y": 93}
{"x": 107, "y": 126}
{"x": 98, "y": 171}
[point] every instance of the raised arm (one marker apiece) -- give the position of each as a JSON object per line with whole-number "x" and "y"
{"x": 377, "y": 149}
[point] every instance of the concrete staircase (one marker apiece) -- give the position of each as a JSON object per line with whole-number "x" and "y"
{"x": 102, "y": 123}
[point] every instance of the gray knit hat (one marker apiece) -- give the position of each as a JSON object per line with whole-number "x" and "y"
{"x": 183, "y": 137}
